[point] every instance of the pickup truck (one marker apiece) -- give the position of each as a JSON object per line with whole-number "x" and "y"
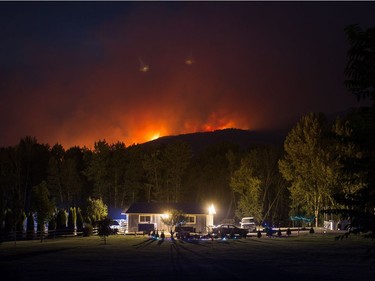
{"x": 248, "y": 223}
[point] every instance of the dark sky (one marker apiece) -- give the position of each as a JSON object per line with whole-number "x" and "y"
{"x": 69, "y": 71}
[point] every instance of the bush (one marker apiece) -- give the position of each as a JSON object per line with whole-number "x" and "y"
{"x": 87, "y": 230}
{"x": 30, "y": 226}
{"x": 104, "y": 229}
{"x": 20, "y": 223}
{"x": 71, "y": 222}
{"x": 8, "y": 221}
{"x": 288, "y": 232}
{"x": 312, "y": 230}
{"x": 79, "y": 220}
{"x": 52, "y": 223}
{"x": 61, "y": 220}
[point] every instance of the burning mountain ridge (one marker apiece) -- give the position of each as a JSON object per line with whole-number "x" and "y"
{"x": 243, "y": 138}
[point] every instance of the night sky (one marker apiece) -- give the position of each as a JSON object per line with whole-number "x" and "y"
{"x": 70, "y": 72}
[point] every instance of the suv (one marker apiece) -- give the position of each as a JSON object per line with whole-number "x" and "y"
{"x": 248, "y": 223}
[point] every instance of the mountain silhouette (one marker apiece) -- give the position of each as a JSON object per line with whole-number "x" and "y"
{"x": 243, "y": 138}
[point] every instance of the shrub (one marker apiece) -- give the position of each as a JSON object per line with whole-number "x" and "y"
{"x": 288, "y": 232}
{"x": 71, "y": 219}
{"x": 52, "y": 223}
{"x": 20, "y": 223}
{"x": 61, "y": 220}
{"x": 8, "y": 221}
{"x": 87, "y": 230}
{"x": 79, "y": 219}
{"x": 312, "y": 230}
{"x": 104, "y": 229}
{"x": 30, "y": 226}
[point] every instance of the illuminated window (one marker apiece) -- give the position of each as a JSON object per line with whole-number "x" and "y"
{"x": 144, "y": 219}
{"x": 190, "y": 220}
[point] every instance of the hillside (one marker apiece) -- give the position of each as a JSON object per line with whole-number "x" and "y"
{"x": 244, "y": 138}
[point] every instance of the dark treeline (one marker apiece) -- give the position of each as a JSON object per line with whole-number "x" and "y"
{"x": 120, "y": 175}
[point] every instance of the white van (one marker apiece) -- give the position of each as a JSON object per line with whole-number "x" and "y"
{"x": 248, "y": 223}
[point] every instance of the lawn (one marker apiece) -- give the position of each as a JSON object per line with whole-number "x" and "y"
{"x": 304, "y": 257}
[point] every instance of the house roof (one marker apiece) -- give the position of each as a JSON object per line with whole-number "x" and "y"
{"x": 161, "y": 208}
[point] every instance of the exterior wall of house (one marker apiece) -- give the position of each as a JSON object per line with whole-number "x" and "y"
{"x": 133, "y": 221}
{"x": 201, "y": 223}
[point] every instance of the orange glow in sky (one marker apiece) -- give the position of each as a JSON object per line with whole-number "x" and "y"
{"x": 134, "y": 72}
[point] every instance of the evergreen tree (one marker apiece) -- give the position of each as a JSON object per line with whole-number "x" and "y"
{"x": 152, "y": 164}
{"x": 176, "y": 158}
{"x": 79, "y": 219}
{"x": 99, "y": 170}
{"x": 42, "y": 205}
{"x": 117, "y": 174}
{"x": 54, "y": 179}
{"x": 134, "y": 176}
{"x": 72, "y": 219}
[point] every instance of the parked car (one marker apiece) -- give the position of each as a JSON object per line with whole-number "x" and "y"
{"x": 248, "y": 223}
{"x": 115, "y": 226}
{"x": 229, "y": 230}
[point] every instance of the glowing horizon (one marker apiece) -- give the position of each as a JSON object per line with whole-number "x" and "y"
{"x": 138, "y": 138}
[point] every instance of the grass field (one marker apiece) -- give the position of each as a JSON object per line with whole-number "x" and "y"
{"x": 304, "y": 257}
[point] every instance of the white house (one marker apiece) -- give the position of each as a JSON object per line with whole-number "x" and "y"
{"x": 145, "y": 217}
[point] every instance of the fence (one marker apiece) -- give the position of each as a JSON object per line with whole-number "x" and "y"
{"x": 37, "y": 235}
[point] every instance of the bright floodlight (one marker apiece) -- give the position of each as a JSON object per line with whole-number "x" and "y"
{"x": 211, "y": 210}
{"x": 165, "y": 216}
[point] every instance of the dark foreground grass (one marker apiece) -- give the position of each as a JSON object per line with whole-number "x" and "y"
{"x": 306, "y": 257}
